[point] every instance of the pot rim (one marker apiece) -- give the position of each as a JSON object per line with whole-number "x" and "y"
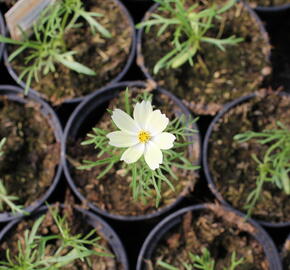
{"x": 272, "y": 9}
{"x": 170, "y": 221}
{"x": 208, "y": 176}
{"x": 95, "y": 221}
{"x": 16, "y": 93}
{"x": 117, "y": 78}
{"x": 65, "y": 163}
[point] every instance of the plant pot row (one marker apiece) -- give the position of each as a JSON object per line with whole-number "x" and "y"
{"x": 111, "y": 196}
{"x": 89, "y": 112}
{"x": 119, "y": 204}
{"x": 216, "y": 78}
{"x": 222, "y": 156}
{"x": 191, "y": 230}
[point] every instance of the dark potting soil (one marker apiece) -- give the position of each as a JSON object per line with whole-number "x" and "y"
{"x": 77, "y": 224}
{"x": 267, "y": 3}
{"x": 106, "y": 56}
{"x": 113, "y": 193}
{"x": 233, "y": 169}
{"x": 31, "y": 152}
{"x": 216, "y": 77}
{"x": 286, "y": 255}
{"x": 222, "y": 233}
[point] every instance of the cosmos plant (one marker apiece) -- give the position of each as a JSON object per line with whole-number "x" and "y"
{"x": 147, "y": 145}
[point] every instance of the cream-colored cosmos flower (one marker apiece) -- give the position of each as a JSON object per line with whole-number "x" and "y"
{"x": 143, "y": 135}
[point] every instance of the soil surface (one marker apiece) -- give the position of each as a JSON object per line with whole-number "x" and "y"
{"x": 233, "y": 169}
{"x": 113, "y": 193}
{"x": 222, "y": 233}
{"x": 216, "y": 77}
{"x": 267, "y": 3}
{"x": 106, "y": 56}
{"x": 31, "y": 152}
{"x": 78, "y": 224}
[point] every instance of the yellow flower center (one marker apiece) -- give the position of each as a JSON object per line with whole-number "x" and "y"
{"x": 144, "y": 136}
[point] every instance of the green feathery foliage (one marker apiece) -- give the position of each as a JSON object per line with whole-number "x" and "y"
{"x": 5, "y": 198}
{"x": 191, "y": 26}
{"x": 47, "y": 46}
{"x": 34, "y": 251}
{"x": 143, "y": 178}
{"x": 203, "y": 262}
{"x": 275, "y": 165}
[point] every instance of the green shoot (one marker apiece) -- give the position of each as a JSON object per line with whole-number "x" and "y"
{"x": 8, "y": 200}
{"x": 5, "y": 199}
{"x": 35, "y": 251}
{"x": 275, "y": 165}
{"x": 190, "y": 28}
{"x": 47, "y": 46}
{"x": 2, "y": 142}
{"x": 145, "y": 181}
{"x": 203, "y": 262}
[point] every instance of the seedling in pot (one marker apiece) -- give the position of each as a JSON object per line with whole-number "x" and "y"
{"x": 6, "y": 199}
{"x": 191, "y": 26}
{"x": 151, "y": 146}
{"x": 37, "y": 252}
{"x": 274, "y": 167}
{"x": 204, "y": 262}
{"x": 47, "y": 47}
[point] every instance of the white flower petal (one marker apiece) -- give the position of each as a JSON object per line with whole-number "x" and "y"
{"x": 141, "y": 112}
{"x": 122, "y": 139}
{"x": 164, "y": 140}
{"x": 125, "y": 122}
{"x": 153, "y": 155}
{"x": 133, "y": 153}
{"x": 156, "y": 123}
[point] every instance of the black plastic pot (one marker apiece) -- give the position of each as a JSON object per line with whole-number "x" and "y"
{"x": 208, "y": 175}
{"x": 102, "y": 227}
{"x": 81, "y": 122}
{"x": 2, "y": 32}
{"x": 140, "y": 58}
{"x": 175, "y": 219}
{"x": 15, "y": 94}
{"x": 129, "y": 62}
{"x": 272, "y": 9}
